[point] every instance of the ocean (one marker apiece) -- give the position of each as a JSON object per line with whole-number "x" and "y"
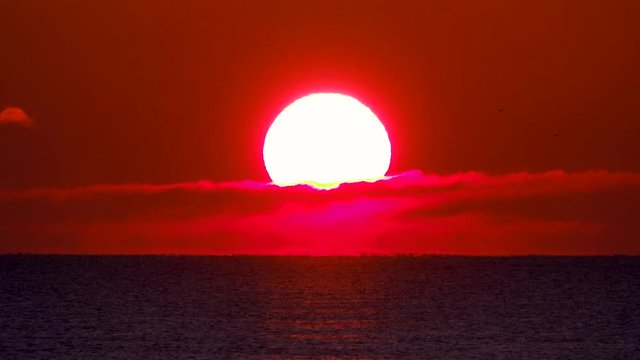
{"x": 245, "y": 307}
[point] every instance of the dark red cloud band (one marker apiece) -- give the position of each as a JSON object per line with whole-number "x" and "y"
{"x": 470, "y": 213}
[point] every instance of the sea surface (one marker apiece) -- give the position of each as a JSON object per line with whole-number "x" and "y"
{"x": 242, "y": 307}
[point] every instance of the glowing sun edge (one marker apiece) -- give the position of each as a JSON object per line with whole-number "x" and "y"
{"x": 334, "y": 185}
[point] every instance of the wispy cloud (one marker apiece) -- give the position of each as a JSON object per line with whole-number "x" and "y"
{"x": 468, "y": 213}
{"x": 11, "y": 115}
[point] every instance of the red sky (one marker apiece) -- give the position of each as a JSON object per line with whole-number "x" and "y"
{"x": 155, "y": 92}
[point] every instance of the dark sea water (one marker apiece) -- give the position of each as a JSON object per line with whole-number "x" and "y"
{"x": 169, "y": 307}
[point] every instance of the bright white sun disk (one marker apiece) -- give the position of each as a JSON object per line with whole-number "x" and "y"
{"x": 324, "y": 140}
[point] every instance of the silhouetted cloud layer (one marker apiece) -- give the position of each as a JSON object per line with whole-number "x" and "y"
{"x": 468, "y": 213}
{"x": 15, "y": 116}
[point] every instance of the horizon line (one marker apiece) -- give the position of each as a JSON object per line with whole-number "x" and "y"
{"x": 35, "y": 254}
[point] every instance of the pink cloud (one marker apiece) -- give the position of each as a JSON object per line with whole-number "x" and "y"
{"x": 470, "y": 213}
{"x": 15, "y": 116}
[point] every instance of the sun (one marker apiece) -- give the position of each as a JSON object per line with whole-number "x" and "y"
{"x": 324, "y": 140}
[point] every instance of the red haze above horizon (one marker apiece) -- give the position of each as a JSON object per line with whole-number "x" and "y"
{"x": 469, "y": 213}
{"x": 155, "y": 92}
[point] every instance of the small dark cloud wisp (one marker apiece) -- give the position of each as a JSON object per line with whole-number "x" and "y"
{"x": 470, "y": 213}
{"x": 11, "y": 115}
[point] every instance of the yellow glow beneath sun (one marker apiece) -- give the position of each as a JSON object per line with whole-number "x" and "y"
{"x": 324, "y": 140}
